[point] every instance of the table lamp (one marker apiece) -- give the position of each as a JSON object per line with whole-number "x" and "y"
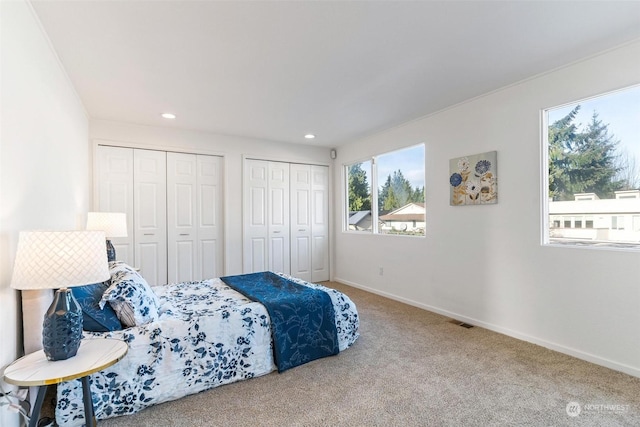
{"x": 114, "y": 224}
{"x": 59, "y": 260}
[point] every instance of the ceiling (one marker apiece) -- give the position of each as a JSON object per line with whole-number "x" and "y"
{"x": 276, "y": 70}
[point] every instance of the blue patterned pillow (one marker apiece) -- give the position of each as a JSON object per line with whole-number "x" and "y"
{"x": 130, "y": 295}
{"x": 94, "y": 318}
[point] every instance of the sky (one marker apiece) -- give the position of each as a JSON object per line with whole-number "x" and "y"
{"x": 620, "y": 110}
{"x": 409, "y": 160}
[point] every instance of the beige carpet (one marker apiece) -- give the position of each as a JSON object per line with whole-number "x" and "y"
{"x": 411, "y": 367}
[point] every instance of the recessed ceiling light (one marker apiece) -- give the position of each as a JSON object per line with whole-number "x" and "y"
{"x": 168, "y": 116}
{"x": 309, "y": 136}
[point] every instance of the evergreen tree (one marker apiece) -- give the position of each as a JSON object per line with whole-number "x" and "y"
{"x": 390, "y": 202}
{"x": 594, "y": 163}
{"x": 582, "y": 162}
{"x": 418, "y": 195}
{"x": 359, "y": 196}
{"x": 397, "y": 191}
{"x": 562, "y": 133}
{"x": 383, "y": 195}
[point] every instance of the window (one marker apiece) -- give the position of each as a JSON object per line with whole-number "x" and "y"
{"x": 397, "y": 206}
{"x": 593, "y": 171}
{"x": 617, "y": 223}
{"x": 359, "y": 215}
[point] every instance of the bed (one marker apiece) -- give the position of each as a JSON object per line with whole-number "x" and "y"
{"x": 193, "y": 337}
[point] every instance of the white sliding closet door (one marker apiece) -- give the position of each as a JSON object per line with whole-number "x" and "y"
{"x": 194, "y": 215}
{"x": 285, "y": 219}
{"x": 266, "y": 216}
{"x": 114, "y": 173}
{"x": 209, "y": 217}
{"x": 182, "y": 206}
{"x": 255, "y": 255}
{"x": 278, "y": 217}
{"x": 173, "y": 203}
{"x": 309, "y": 222}
{"x": 150, "y": 214}
{"x": 301, "y": 221}
{"x": 319, "y": 223}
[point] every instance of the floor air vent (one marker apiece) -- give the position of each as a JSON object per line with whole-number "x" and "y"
{"x": 459, "y": 323}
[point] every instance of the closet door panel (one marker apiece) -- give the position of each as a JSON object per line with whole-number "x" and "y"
{"x": 209, "y": 250}
{"x": 114, "y": 176}
{"x": 148, "y": 254}
{"x": 181, "y": 217}
{"x": 278, "y": 217}
{"x": 278, "y": 250}
{"x": 184, "y": 261}
{"x": 150, "y": 219}
{"x": 301, "y": 221}
{"x": 258, "y": 255}
{"x": 320, "y": 223}
{"x": 209, "y": 217}
{"x": 254, "y": 214}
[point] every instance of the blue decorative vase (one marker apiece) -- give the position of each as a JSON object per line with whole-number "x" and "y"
{"x": 111, "y": 251}
{"x": 62, "y": 327}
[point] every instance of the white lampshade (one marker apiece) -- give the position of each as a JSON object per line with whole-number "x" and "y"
{"x": 59, "y": 259}
{"x": 114, "y": 224}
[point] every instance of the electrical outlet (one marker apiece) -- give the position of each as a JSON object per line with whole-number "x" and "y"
{"x": 381, "y": 271}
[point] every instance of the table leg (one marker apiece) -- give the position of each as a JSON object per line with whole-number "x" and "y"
{"x": 89, "y": 416}
{"x": 35, "y": 413}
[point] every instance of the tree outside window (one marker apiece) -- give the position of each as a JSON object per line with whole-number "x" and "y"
{"x": 398, "y": 177}
{"x": 593, "y": 151}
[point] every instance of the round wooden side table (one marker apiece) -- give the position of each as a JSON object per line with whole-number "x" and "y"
{"x": 35, "y": 370}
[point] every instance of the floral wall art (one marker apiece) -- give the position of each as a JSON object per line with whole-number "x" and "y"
{"x": 474, "y": 179}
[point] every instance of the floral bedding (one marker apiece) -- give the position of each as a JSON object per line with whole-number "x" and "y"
{"x": 206, "y": 335}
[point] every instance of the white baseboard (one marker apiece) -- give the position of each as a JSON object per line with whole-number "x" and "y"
{"x": 505, "y": 331}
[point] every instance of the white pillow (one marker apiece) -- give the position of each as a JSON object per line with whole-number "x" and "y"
{"x": 130, "y": 296}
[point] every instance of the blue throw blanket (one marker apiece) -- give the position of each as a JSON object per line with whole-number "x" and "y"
{"x": 302, "y": 318}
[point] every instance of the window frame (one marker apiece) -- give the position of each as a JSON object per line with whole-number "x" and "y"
{"x": 345, "y": 199}
{"x": 373, "y": 185}
{"x": 546, "y": 220}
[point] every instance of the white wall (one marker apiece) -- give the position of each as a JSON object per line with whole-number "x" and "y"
{"x": 232, "y": 148}
{"x": 44, "y": 152}
{"x": 485, "y": 264}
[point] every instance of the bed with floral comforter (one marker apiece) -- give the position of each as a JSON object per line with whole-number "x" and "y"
{"x": 205, "y": 335}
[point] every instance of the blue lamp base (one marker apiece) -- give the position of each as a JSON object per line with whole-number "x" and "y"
{"x": 62, "y": 327}
{"x": 111, "y": 251}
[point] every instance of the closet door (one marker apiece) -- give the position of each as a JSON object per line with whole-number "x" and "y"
{"x": 254, "y": 216}
{"x": 209, "y": 218}
{"x": 300, "y": 199}
{"x": 150, "y": 214}
{"x": 265, "y": 213}
{"x": 319, "y": 223}
{"x": 278, "y": 217}
{"x": 182, "y": 206}
{"x": 114, "y": 177}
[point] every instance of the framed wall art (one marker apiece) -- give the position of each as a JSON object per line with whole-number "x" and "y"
{"x": 473, "y": 180}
